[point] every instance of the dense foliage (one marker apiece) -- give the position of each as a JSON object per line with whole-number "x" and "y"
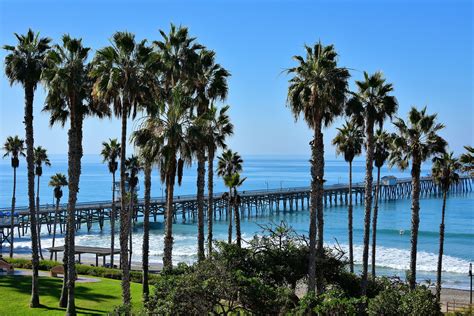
{"x": 264, "y": 278}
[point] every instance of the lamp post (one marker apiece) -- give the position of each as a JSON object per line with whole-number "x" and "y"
{"x": 470, "y": 276}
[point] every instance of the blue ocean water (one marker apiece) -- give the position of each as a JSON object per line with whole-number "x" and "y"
{"x": 275, "y": 172}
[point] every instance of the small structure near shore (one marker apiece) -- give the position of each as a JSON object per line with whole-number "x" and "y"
{"x": 78, "y": 250}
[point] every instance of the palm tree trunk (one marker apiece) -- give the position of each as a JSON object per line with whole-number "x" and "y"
{"x": 349, "y": 219}
{"x": 210, "y": 197}
{"x": 131, "y": 213}
{"x": 374, "y": 221}
{"x": 237, "y": 221}
{"x": 54, "y": 227}
{"x": 229, "y": 214}
{"x": 168, "y": 243}
{"x": 29, "y": 95}
{"x": 415, "y": 217}
{"x": 112, "y": 223}
{"x": 146, "y": 231}
{"x": 38, "y": 216}
{"x": 369, "y": 161}
{"x": 74, "y": 172}
{"x": 201, "y": 173}
{"x": 441, "y": 249}
{"x": 320, "y": 210}
{"x": 12, "y": 218}
{"x": 312, "y": 216}
{"x": 63, "y": 297}
{"x": 124, "y": 220}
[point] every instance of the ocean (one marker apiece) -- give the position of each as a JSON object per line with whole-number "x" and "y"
{"x": 393, "y": 251}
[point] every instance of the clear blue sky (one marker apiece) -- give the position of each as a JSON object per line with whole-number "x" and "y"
{"x": 423, "y": 47}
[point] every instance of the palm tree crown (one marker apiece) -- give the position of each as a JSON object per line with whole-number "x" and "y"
{"x": 349, "y": 140}
{"x": 229, "y": 163}
{"x": 14, "y": 147}
{"x": 218, "y": 127}
{"x": 445, "y": 170}
{"x": 41, "y": 157}
{"x": 416, "y": 138}
{"x": 110, "y": 153}
{"x": 318, "y": 88}
{"x": 58, "y": 181}
{"x": 467, "y": 159}
{"x": 25, "y": 61}
{"x": 383, "y": 142}
{"x": 372, "y": 101}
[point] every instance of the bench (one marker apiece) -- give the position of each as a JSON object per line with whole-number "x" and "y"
{"x": 6, "y": 266}
{"x": 57, "y": 270}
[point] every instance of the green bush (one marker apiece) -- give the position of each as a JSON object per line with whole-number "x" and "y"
{"x": 397, "y": 299}
{"x": 335, "y": 303}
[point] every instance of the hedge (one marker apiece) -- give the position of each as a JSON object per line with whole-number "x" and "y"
{"x": 46, "y": 265}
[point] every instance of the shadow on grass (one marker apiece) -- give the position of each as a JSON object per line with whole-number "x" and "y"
{"x": 52, "y": 287}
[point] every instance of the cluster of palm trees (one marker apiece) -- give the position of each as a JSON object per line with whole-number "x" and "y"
{"x": 174, "y": 81}
{"x": 318, "y": 92}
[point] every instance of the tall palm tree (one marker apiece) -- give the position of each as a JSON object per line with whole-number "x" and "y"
{"x": 14, "y": 147}
{"x": 57, "y": 181}
{"x": 24, "y": 64}
{"x": 175, "y": 126}
{"x": 69, "y": 87}
{"x": 110, "y": 154}
{"x": 445, "y": 173}
{"x": 317, "y": 91}
{"x": 124, "y": 77}
{"x": 133, "y": 167}
{"x": 218, "y": 128}
{"x": 228, "y": 164}
{"x": 467, "y": 160}
{"x": 372, "y": 103}
{"x": 381, "y": 152}
{"x": 210, "y": 82}
{"x": 416, "y": 140}
{"x": 348, "y": 142}
{"x": 147, "y": 139}
{"x": 41, "y": 156}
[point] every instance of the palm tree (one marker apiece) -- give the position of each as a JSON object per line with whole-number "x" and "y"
{"x": 372, "y": 103}
{"x": 416, "y": 140}
{"x": 124, "y": 77}
{"x": 381, "y": 152}
{"x": 218, "y": 128}
{"x": 445, "y": 173}
{"x": 233, "y": 181}
{"x": 14, "y": 147}
{"x": 228, "y": 164}
{"x": 41, "y": 157}
{"x": 467, "y": 160}
{"x": 348, "y": 142}
{"x": 174, "y": 127}
{"x": 69, "y": 86}
{"x": 133, "y": 167}
{"x": 24, "y": 64}
{"x": 318, "y": 92}
{"x": 57, "y": 181}
{"x": 110, "y": 153}
{"x": 146, "y": 138}
{"x": 210, "y": 82}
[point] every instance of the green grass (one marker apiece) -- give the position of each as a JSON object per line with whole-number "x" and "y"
{"x": 94, "y": 298}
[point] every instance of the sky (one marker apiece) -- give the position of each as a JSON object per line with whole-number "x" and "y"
{"x": 423, "y": 47}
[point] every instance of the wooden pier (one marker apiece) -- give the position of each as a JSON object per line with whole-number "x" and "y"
{"x": 254, "y": 203}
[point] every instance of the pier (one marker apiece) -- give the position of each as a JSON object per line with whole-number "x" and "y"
{"x": 253, "y": 203}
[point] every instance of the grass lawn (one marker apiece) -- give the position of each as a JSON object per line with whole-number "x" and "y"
{"x": 94, "y": 298}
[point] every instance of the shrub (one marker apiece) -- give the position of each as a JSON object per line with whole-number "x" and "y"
{"x": 397, "y": 299}
{"x": 336, "y": 303}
